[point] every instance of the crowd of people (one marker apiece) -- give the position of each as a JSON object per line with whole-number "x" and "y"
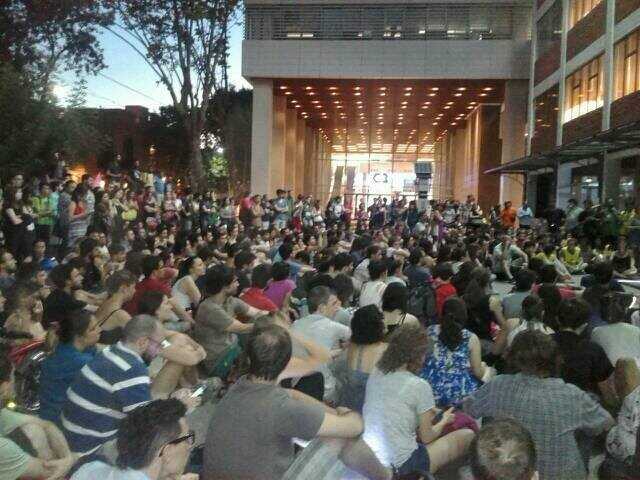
{"x": 373, "y": 334}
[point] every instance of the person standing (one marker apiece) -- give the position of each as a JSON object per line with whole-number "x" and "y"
{"x": 572, "y": 216}
{"x": 43, "y": 208}
{"x": 525, "y": 216}
{"x": 508, "y": 216}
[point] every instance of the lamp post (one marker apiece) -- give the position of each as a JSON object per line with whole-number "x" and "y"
{"x": 423, "y": 184}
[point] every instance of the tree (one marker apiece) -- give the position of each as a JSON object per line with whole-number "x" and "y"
{"x": 185, "y": 44}
{"x": 39, "y": 36}
{"x": 229, "y": 121}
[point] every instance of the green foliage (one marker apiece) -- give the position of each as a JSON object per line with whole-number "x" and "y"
{"x": 216, "y": 167}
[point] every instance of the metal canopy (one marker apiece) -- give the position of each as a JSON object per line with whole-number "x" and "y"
{"x": 619, "y": 138}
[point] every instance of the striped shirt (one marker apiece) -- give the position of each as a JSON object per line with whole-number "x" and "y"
{"x": 103, "y": 392}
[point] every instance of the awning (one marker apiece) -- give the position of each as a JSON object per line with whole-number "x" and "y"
{"x": 612, "y": 140}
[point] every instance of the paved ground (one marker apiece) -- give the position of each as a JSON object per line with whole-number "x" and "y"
{"x": 199, "y": 421}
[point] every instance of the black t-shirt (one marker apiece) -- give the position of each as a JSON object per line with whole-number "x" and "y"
{"x": 585, "y": 364}
{"x": 58, "y": 305}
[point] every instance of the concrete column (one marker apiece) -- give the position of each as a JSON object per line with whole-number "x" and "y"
{"x": 563, "y": 184}
{"x": 300, "y": 157}
{"x": 563, "y": 69}
{"x": 531, "y": 111}
{"x": 610, "y": 178}
{"x": 513, "y": 119}
{"x": 290, "y": 149}
{"x": 276, "y": 179}
{"x": 309, "y": 161}
{"x": 531, "y": 191}
{"x": 607, "y": 94}
{"x": 262, "y": 136}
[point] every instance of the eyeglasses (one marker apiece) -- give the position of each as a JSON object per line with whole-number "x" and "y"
{"x": 190, "y": 438}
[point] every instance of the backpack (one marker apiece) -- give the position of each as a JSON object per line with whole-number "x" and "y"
{"x": 422, "y": 304}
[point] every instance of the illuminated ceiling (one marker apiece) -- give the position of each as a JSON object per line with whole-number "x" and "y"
{"x": 399, "y": 117}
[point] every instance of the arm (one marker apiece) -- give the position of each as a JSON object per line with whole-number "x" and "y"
{"x": 183, "y": 350}
{"x": 477, "y": 367}
{"x": 193, "y": 292}
{"x": 15, "y": 219}
{"x": 238, "y": 327}
{"x": 180, "y": 311}
{"x": 427, "y": 430}
{"x": 300, "y": 367}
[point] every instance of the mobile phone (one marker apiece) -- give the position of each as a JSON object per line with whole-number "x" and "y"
{"x": 198, "y": 391}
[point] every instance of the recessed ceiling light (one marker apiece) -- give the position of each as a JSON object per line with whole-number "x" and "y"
{"x": 435, "y": 89}
{"x": 446, "y": 107}
{"x": 453, "y": 123}
{"x": 357, "y": 88}
{"x": 311, "y": 93}
{"x": 457, "y": 94}
{"x": 288, "y": 93}
{"x": 298, "y": 106}
{"x": 357, "y": 94}
{"x": 408, "y": 89}
{"x": 333, "y": 88}
{"x": 461, "y": 89}
{"x": 308, "y": 88}
{"x": 449, "y": 103}
{"x": 383, "y": 88}
{"x": 424, "y": 107}
{"x": 483, "y": 94}
{"x": 487, "y": 89}
{"x": 432, "y": 94}
{"x": 408, "y": 94}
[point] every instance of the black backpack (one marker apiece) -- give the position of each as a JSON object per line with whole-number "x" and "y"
{"x": 422, "y": 304}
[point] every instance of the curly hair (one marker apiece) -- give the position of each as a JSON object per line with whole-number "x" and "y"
{"x": 533, "y": 353}
{"x": 408, "y": 345}
{"x": 146, "y": 430}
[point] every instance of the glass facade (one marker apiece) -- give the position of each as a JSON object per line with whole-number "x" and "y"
{"x": 548, "y": 30}
{"x": 579, "y": 9}
{"x": 626, "y": 74}
{"x": 583, "y": 90}
{"x": 369, "y": 22}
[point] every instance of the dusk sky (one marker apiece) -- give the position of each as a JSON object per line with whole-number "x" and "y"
{"x": 127, "y": 67}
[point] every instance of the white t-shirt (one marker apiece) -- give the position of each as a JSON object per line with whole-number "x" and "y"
{"x": 371, "y": 293}
{"x": 618, "y": 340}
{"x": 392, "y": 408}
{"x": 94, "y": 470}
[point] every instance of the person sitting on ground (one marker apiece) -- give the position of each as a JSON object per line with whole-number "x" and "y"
{"x": 392, "y": 420}
{"x": 216, "y": 326}
{"x": 243, "y": 263}
{"x": 571, "y": 257}
{"x": 418, "y": 271}
{"x": 623, "y": 260}
{"x": 617, "y": 338}
{"x": 111, "y": 317}
{"x": 361, "y": 271}
{"x": 154, "y": 442}
{"x": 185, "y": 290}
{"x": 549, "y": 276}
{"x": 109, "y": 387}
{"x": 584, "y": 363}
{"x": 394, "y": 272}
{"x": 549, "y": 257}
{"x": 152, "y": 268}
{"x": 19, "y": 434}
{"x": 552, "y": 410}
{"x": 343, "y": 286}
{"x": 512, "y": 303}
{"x": 61, "y": 301}
{"x": 254, "y": 296}
{"x": 372, "y": 290}
{"x": 8, "y": 267}
{"x": 77, "y": 336}
{"x": 503, "y": 450}
{"x": 257, "y": 419}
{"x": 454, "y": 368}
{"x": 507, "y": 259}
{"x": 280, "y": 287}
{"x": 442, "y": 275}
{"x": 531, "y": 318}
{"x": 318, "y": 327}
{"x": 365, "y": 349}
{"x": 394, "y": 307}
{"x": 25, "y": 312}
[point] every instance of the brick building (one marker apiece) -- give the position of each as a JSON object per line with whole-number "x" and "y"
{"x": 583, "y": 131}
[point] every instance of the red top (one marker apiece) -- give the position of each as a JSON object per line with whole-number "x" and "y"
{"x": 443, "y": 291}
{"x": 246, "y": 203}
{"x": 256, "y": 298}
{"x": 508, "y": 217}
{"x": 149, "y": 284}
{"x": 565, "y": 293}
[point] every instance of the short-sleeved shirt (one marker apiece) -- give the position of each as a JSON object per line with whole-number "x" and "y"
{"x": 277, "y": 291}
{"x": 392, "y": 408}
{"x": 212, "y": 321}
{"x": 13, "y": 460}
{"x": 11, "y": 420}
{"x": 149, "y": 284}
{"x": 103, "y": 393}
{"x": 57, "y": 373}
{"x": 512, "y": 304}
{"x": 251, "y": 431}
{"x": 585, "y": 364}
{"x": 257, "y": 299}
{"x": 619, "y": 340}
{"x": 58, "y": 305}
{"x": 93, "y": 470}
{"x": 552, "y": 411}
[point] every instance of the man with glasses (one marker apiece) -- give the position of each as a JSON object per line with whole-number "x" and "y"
{"x": 109, "y": 387}
{"x": 153, "y": 443}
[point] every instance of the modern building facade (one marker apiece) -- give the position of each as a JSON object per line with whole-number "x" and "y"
{"x": 584, "y": 111}
{"x": 348, "y": 95}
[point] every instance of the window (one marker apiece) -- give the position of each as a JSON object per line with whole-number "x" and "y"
{"x": 583, "y": 90}
{"x": 549, "y": 29}
{"x": 579, "y": 9}
{"x": 626, "y": 74}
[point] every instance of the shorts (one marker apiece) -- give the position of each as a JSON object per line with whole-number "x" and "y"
{"x": 418, "y": 462}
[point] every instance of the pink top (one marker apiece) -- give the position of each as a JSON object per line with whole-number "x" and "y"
{"x": 277, "y": 291}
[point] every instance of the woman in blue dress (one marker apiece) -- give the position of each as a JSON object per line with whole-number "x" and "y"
{"x": 454, "y": 369}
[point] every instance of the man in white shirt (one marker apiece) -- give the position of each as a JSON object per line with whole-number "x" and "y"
{"x": 361, "y": 272}
{"x": 372, "y": 291}
{"x": 318, "y": 327}
{"x": 525, "y": 216}
{"x": 507, "y": 259}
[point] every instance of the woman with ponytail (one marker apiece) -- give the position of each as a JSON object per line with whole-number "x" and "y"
{"x": 455, "y": 368}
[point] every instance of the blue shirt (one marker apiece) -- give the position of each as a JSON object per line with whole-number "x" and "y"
{"x": 57, "y": 373}
{"x": 103, "y": 393}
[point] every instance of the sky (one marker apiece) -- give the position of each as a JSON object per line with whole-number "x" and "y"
{"x": 125, "y": 68}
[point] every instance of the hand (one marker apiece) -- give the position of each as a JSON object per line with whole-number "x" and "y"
{"x": 343, "y": 411}
{"x": 448, "y": 417}
{"x": 58, "y": 469}
{"x": 190, "y": 476}
{"x": 38, "y": 308}
{"x": 495, "y": 305}
{"x": 184, "y": 395}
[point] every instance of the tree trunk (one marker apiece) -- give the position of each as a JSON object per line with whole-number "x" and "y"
{"x": 194, "y": 157}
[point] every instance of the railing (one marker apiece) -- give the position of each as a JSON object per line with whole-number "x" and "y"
{"x": 368, "y": 22}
